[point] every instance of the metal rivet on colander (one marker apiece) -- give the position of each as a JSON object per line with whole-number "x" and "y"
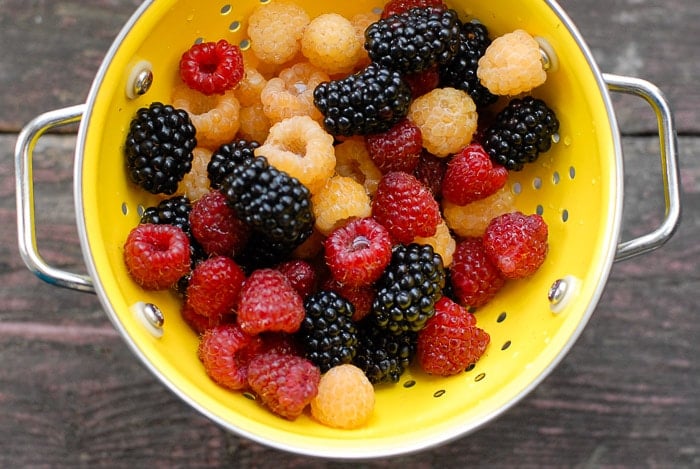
{"x": 550, "y": 61}
{"x": 150, "y": 316}
{"x": 140, "y": 79}
{"x": 561, "y": 292}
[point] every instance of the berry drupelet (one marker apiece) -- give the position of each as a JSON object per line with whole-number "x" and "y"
{"x": 158, "y": 148}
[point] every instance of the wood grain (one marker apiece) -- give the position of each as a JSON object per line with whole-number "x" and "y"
{"x": 73, "y": 395}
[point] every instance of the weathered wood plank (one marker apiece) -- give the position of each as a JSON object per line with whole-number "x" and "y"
{"x": 73, "y": 395}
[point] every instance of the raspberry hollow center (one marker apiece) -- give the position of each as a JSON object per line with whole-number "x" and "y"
{"x": 360, "y": 243}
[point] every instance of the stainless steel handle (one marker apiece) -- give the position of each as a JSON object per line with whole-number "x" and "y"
{"x": 669, "y": 164}
{"x": 26, "y": 228}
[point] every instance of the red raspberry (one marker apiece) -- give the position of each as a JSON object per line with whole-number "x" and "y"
{"x": 357, "y": 252}
{"x": 475, "y": 279}
{"x": 405, "y": 207}
{"x": 430, "y": 172}
{"x": 361, "y": 297}
{"x": 280, "y": 342}
{"x": 284, "y": 383}
{"x": 214, "y": 286}
{"x": 156, "y": 256}
{"x": 450, "y": 341}
{"x": 422, "y": 82}
{"x": 517, "y": 243}
{"x": 212, "y": 67}
{"x": 216, "y": 226}
{"x": 395, "y": 7}
{"x": 472, "y": 176}
{"x": 268, "y": 302}
{"x": 397, "y": 149}
{"x": 225, "y": 351}
{"x": 301, "y": 275}
{"x": 198, "y": 322}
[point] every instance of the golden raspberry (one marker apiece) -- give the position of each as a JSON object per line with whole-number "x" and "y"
{"x": 360, "y": 22}
{"x": 353, "y": 160}
{"x": 300, "y": 147}
{"x": 254, "y": 123}
{"x": 292, "y": 93}
{"x": 195, "y": 184}
{"x": 512, "y": 64}
{"x": 345, "y": 398}
{"x": 442, "y": 242}
{"x": 341, "y": 199}
{"x": 275, "y": 30}
{"x": 331, "y": 44}
{"x": 472, "y": 219}
{"x": 215, "y": 117}
{"x": 447, "y": 119}
{"x": 248, "y": 90}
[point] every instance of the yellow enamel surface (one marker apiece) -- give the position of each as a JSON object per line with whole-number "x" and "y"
{"x": 574, "y": 186}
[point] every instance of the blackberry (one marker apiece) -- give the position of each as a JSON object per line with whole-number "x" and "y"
{"x": 460, "y": 72}
{"x": 369, "y": 101}
{"x": 227, "y": 157}
{"x": 415, "y": 40}
{"x": 520, "y": 132}
{"x": 275, "y": 205}
{"x": 172, "y": 211}
{"x": 327, "y": 333}
{"x": 159, "y": 147}
{"x": 408, "y": 289}
{"x": 383, "y": 356}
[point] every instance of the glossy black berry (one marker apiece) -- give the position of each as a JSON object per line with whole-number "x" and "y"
{"x": 275, "y": 205}
{"x": 158, "y": 148}
{"x": 415, "y": 40}
{"x": 369, "y": 101}
{"x": 225, "y": 159}
{"x": 409, "y": 288}
{"x": 460, "y": 72}
{"x": 327, "y": 333}
{"x": 520, "y": 132}
{"x": 384, "y": 356}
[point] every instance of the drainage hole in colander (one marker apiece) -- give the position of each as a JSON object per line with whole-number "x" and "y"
{"x": 249, "y": 395}
{"x": 556, "y": 178}
{"x": 572, "y": 172}
{"x": 439, "y": 393}
{"x": 479, "y": 377}
{"x": 502, "y": 317}
{"x": 226, "y": 9}
{"x": 565, "y": 215}
{"x": 537, "y": 183}
{"x": 199, "y": 40}
{"x": 140, "y": 209}
{"x": 235, "y": 26}
{"x": 125, "y": 208}
{"x": 517, "y": 188}
{"x": 539, "y": 210}
{"x": 410, "y": 383}
{"x": 244, "y": 44}
{"x": 506, "y": 345}
{"x": 470, "y": 368}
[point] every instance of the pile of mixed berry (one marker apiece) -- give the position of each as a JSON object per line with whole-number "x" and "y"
{"x": 334, "y": 206}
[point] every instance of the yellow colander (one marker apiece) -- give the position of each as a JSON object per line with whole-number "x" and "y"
{"x": 577, "y": 187}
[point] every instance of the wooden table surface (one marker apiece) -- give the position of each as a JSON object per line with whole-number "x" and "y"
{"x": 627, "y": 395}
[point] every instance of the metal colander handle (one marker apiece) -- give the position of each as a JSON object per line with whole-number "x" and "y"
{"x": 669, "y": 164}
{"x": 31, "y": 133}
{"x": 24, "y": 183}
